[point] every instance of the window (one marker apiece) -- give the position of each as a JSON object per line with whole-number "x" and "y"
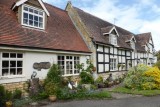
{"x": 113, "y": 39}
{"x": 113, "y": 64}
{"x": 132, "y": 45}
{"x": 68, "y": 64}
{"x": 32, "y": 17}
{"x": 12, "y": 64}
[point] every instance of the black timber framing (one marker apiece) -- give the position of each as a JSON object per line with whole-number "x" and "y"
{"x": 124, "y": 54}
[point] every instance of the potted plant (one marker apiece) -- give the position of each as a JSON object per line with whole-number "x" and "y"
{"x": 118, "y": 66}
{"x": 123, "y": 65}
{"x": 99, "y": 82}
{"x": 51, "y": 89}
{"x": 53, "y": 82}
{"x": 94, "y": 69}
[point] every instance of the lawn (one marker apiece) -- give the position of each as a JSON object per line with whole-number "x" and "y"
{"x": 136, "y": 91}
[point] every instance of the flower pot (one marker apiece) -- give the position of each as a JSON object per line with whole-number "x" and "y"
{"x": 9, "y": 104}
{"x": 52, "y": 98}
{"x": 94, "y": 69}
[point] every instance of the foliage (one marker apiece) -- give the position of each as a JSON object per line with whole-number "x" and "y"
{"x": 53, "y": 80}
{"x": 123, "y": 66}
{"x": 54, "y": 75}
{"x": 17, "y": 94}
{"x": 51, "y": 88}
{"x": 157, "y": 64}
{"x": 158, "y": 55}
{"x": 143, "y": 77}
{"x": 136, "y": 91}
{"x": 89, "y": 68}
{"x": 118, "y": 66}
{"x": 86, "y": 78}
{"x": 2, "y": 95}
{"x": 99, "y": 79}
{"x": 21, "y": 102}
{"x": 66, "y": 94}
{"x": 40, "y": 96}
{"x": 153, "y": 73}
{"x": 135, "y": 78}
{"x": 8, "y": 95}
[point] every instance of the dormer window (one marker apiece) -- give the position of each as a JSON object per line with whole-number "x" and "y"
{"x": 132, "y": 45}
{"x": 32, "y": 17}
{"x": 112, "y": 33}
{"x": 113, "y": 39}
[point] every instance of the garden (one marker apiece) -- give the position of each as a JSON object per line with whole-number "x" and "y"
{"x": 140, "y": 79}
{"x": 56, "y": 87}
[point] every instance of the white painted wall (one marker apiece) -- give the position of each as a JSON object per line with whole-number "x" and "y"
{"x": 30, "y": 58}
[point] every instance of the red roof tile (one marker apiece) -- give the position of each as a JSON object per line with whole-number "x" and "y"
{"x": 60, "y": 33}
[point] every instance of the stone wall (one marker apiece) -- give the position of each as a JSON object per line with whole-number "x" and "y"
{"x": 115, "y": 75}
{"x": 18, "y": 85}
{"x": 82, "y": 30}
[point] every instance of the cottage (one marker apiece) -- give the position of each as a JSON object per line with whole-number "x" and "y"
{"x": 114, "y": 49}
{"x": 33, "y": 35}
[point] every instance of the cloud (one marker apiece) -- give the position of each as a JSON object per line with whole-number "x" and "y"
{"x": 138, "y": 16}
{"x": 133, "y": 17}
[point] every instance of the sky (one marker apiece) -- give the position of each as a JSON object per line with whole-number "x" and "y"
{"x": 137, "y": 16}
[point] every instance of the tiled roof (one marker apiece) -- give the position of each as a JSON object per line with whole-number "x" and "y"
{"x": 143, "y": 38}
{"x": 106, "y": 29}
{"x": 95, "y": 26}
{"x": 60, "y": 33}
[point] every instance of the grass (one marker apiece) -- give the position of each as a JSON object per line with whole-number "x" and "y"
{"x": 99, "y": 95}
{"x": 85, "y": 95}
{"x": 136, "y": 92}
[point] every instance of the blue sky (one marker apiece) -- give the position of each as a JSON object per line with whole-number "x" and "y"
{"x": 137, "y": 16}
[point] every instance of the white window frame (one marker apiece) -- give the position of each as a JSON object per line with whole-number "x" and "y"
{"x": 73, "y": 64}
{"x": 34, "y": 8}
{"x": 113, "y": 64}
{"x": 113, "y": 39}
{"x": 11, "y": 59}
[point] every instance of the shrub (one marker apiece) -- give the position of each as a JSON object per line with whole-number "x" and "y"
{"x": 51, "y": 88}
{"x": 17, "y": 94}
{"x": 86, "y": 78}
{"x": 157, "y": 64}
{"x": 8, "y": 95}
{"x": 135, "y": 78}
{"x": 154, "y": 74}
{"x": 2, "y": 96}
{"x": 54, "y": 75}
{"x": 99, "y": 79}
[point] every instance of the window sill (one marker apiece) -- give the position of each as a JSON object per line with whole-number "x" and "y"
{"x": 12, "y": 77}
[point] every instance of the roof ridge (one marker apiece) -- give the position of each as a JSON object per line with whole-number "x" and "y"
{"x": 103, "y": 20}
{"x": 54, "y": 7}
{"x": 144, "y": 33}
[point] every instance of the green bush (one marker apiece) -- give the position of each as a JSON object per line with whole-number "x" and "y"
{"x": 17, "y": 94}
{"x": 53, "y": 80}
{"x": 99, "y": 79}
{"x": 51, "y": 88}
{"x": 135, "y": 78}
{"x": 157, "y": 64}
{"x": 40, "y": 96}
{"x": 2, "y": 96}
{"x": 86, "y": 78}
{"x": 8, "y": 95}
{"x": 54, "y": 75}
